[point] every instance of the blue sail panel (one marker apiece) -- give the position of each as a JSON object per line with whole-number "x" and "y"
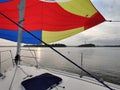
{"x": 1, "y": 1}
{"x": 26, "y": 38}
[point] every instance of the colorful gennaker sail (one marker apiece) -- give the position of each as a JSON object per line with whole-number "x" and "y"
{"x": 48, "y": 21}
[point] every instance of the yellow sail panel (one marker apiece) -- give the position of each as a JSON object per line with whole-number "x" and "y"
{"x": 79, "y": 7}
{"x": 49, "y": 37}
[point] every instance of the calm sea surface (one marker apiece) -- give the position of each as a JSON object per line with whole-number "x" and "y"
{"x": 103, "y": 62}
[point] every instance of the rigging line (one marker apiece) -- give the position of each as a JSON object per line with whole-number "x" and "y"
{"x": 13, "y": 78}
{"x": 58, "y": 52}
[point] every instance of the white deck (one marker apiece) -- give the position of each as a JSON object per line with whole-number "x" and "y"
{"x": 69, "y": 82}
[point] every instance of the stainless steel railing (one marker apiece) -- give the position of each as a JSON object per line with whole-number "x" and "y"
{"x": 32, "y": 55}
{"x": 5, "y": 56}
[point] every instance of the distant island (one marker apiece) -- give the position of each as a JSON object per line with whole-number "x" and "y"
{"x": 40, "y": 45}
{"x": 59, "y": 45}
{"x": 63, "y": 45}
{"x": 93, "y": 45}
{"x": 87, "y": 45}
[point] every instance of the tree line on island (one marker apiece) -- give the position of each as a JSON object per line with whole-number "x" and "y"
{"x": 41, "y": 45}
{"x": 63, "y": 45}
{"x": 59, "y": 45}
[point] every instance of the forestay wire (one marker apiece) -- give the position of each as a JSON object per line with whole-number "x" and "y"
{"x": 57, "y": 52}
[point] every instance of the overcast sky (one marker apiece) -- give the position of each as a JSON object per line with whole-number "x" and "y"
{"x": 102, "y": 34}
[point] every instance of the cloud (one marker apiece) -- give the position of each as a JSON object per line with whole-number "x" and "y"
{"x": 4, "y": 42}
{"x": 108, "y": 8}
{"x": 103, "y": 34}
{"x": 106, "y": 33}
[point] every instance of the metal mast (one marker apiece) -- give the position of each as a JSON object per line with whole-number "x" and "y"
{"x": 21, "y": 7}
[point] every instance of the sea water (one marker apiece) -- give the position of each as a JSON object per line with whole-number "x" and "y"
{"x": 104, "y": 62}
